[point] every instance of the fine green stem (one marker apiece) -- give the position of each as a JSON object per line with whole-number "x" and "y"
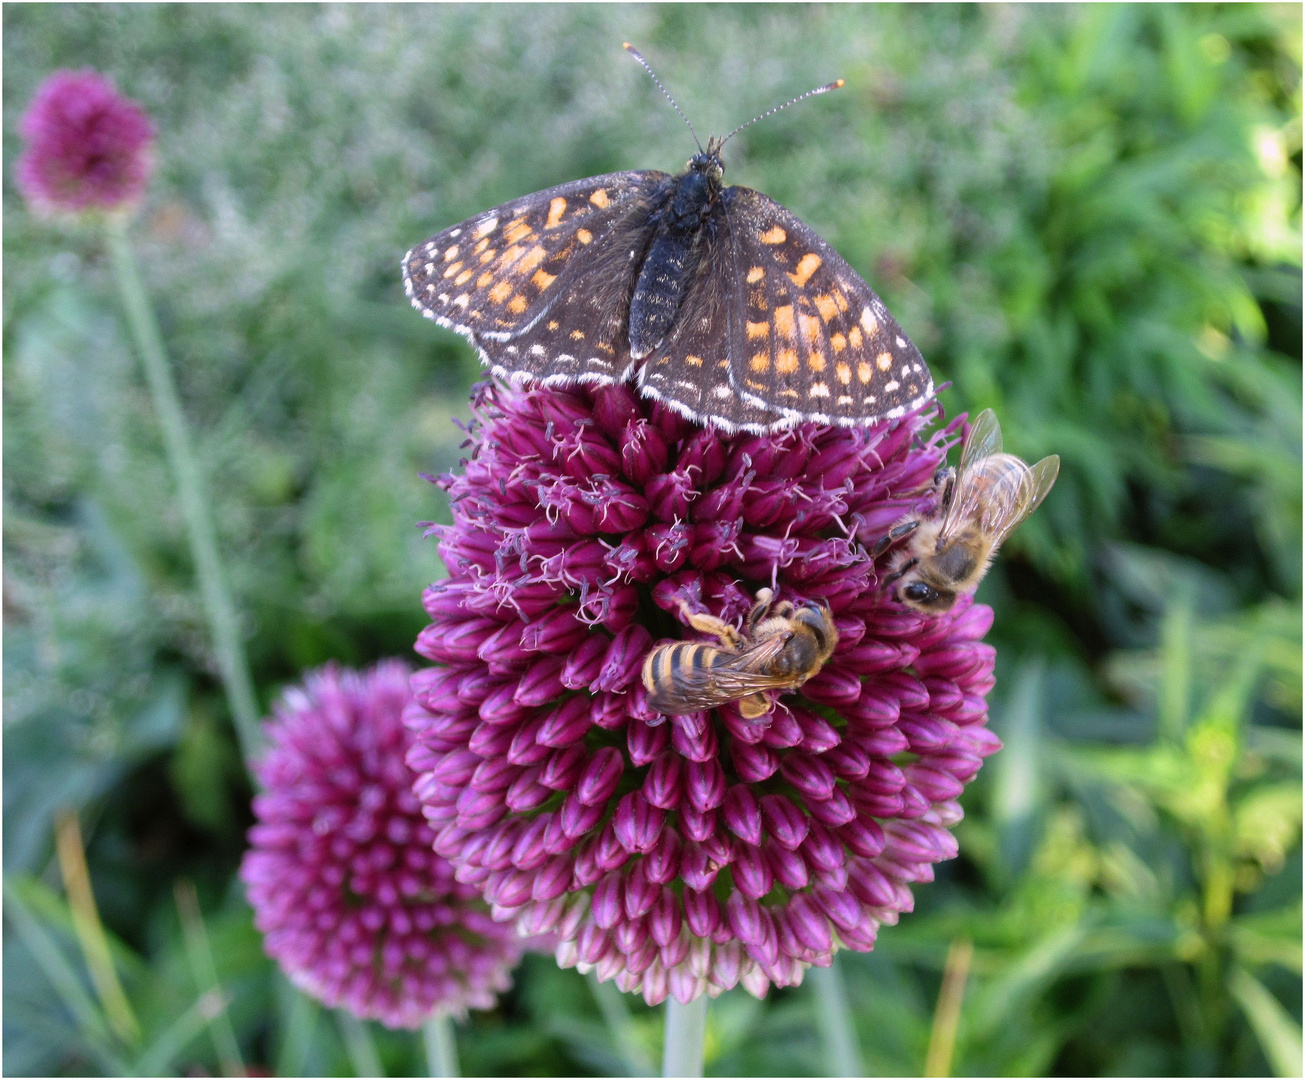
{"x": 224, "y": 625}
{"x": 686, "y": 1032}
{"x": 441, "y": 1045}
{"x": 834, "y": 1020}
{"x": 204, "y": 970}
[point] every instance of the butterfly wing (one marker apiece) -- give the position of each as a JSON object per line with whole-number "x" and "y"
{"x": 808, "y": 338}
{"x": 541, "y": 285}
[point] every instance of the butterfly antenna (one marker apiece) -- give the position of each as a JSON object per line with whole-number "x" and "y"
{"x": 835, "y": 85}
{"x": 638, "y": 56}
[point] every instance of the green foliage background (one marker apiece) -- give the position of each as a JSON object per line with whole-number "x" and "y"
{"x": 1087, "y": 217}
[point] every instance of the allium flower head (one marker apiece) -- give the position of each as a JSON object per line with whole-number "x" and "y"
{"x": 685, "y": 855}
{"x": 88, "y": 147}
{"x": 350, "y": 898}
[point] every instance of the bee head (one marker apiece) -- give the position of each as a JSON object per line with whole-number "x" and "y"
{"x": 924, "y": 597}
{"x": 816, "y": 619}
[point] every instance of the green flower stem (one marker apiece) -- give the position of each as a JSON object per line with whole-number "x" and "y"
{"x": 358, "y": 1044}
{"x": 441, "y": 1045}
{"x": 620, "y": 1026}
{"x": 834, "y": 1021}
{"x": 686, "y": 1032}
{"x": 218, "y": 607}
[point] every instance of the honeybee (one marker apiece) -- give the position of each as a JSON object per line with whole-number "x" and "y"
{"x": 778, "y": 649}
{"x": 979, "y": 504}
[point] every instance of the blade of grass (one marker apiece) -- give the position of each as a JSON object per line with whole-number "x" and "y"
{"x": 441, "y": 1040}
{"x": 359, "y": 1045}
{"x": 686, "y": 1036}
{"x": 204, "y": 973}
{"x": 297, "y": 1035}
{"x": 1278, "y": 1033}
{"x": 159, "y": 1056}
{"x": 947, "y": 1015}
{"x": 90, "y": 931}
{"x": 91, "y": 1024}
{"x": 834, "y": 1021}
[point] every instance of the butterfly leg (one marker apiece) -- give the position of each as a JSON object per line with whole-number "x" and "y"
{"x": 709, "y": 624}
{"x": 896, "y": 533}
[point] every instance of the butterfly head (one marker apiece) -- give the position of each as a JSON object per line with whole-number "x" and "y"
{"x": 708, "y": 161}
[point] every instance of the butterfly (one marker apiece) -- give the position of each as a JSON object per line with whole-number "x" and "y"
{"x": 715, "y": 300}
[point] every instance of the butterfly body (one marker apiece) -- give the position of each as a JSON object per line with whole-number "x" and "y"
{"x": 669, "y": 267}
{"x": 715, "y": 300}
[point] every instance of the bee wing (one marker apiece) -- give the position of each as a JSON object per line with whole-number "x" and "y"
{"x": 983, "y": 440}
{"x": 996, "y": 501}
{"x": 730, "y": 678}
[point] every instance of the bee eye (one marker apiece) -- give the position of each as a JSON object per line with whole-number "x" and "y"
{"x": 920, "y": 592}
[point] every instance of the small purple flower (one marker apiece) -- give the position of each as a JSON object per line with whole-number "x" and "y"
{"x": 350, "y": 898}
{"x": 88, "y": 147}
{"x": 685, "y": 856}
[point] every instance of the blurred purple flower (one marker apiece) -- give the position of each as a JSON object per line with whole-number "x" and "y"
{"x": 684, "y": 857}
{"x": 350, "y": 898}
{"x": 88, "y": 147}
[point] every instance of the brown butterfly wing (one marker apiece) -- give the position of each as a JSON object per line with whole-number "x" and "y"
{"x": 811, "y": 340}
{"x": 522, "y": 280}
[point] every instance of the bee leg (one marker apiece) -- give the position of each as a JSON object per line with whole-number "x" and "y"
{"x": 754, "y": 706}
{"x": 894, "y": 534}
{"x": 784, "y": 610}
{"x": 759, "y": 609}
{"x": 946, "y": 479}
{"x": 709, "y": 624}
{"x": 901, "y": 571}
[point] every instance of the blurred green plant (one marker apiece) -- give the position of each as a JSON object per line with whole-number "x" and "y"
{"x": 1089, "y": 219}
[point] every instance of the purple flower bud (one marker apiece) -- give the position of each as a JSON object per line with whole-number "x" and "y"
{"x": 598, "y": 782}
{"x": 784, "y": 821}
{"x": 742, "y": 814}
{"x": 663, "y": 784}
{"x": 638, "y": 823}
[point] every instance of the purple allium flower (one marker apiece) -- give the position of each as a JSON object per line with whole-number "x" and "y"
{"x": 88, "y": 147}
{"x": 350, "y": 898}
{"x": 684, "y": 857}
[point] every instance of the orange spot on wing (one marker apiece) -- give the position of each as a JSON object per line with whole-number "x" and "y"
{"x": 807, "y": 265}
{"x": 839, "y": 342}
{"x": 484, "y": 279}
{"x": 599, "y": 198}
{"x": 518, "y": 230}
{"x": 810, "y": 329}
{"x": 518, "y": 304}
{"x": 816, "y": 361}
{"x": 463, "y": 277}
{"x": 826, "y": 306}
{"x": 501, "y": 292}
{"x": 786, "y": 362}
{"x": 530, "y": 260}
{"x": 854, "y": 336}
{"x": 783, "y": 320}
{"x": 449, "y": 271}
{"x": 755, "y": 274}
{"x": 840, "y": 300}
{"x": 584, "y": 236}
{"x": 775, "y": 235}
{"x": 693, "y": 361}
{"x": 556, "y": 208}
{"x": 884, "y": 361}
{"x": 864, "y": 371}
{"x": 543, "y": 280}
{"x": 577, "y": 335}
{"x": 758, "y": 329}
{"x": 760, "y": 362}
{"x": 844, "y": 373}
